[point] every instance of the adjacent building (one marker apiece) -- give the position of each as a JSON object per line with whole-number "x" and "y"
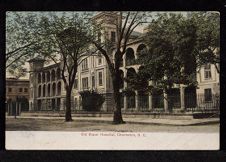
{"x": 17, "y": 90}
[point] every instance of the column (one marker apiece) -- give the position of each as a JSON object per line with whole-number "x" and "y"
{"x": 166, "y": 108}
{"x": 182, "y": 98}
{"x": 124, "y": 60}
{"x": 61, "y": 104}
{"x": 136, "y": 101}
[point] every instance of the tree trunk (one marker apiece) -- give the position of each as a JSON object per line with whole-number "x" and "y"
{"x": 68, "y": 117}
{"x": 117, "y": 118}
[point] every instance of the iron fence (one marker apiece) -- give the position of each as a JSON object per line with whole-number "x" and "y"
{"x": 142, "y": 102}
{"x": 203, "y": 103}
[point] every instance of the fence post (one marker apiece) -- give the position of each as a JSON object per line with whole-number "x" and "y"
{"x": 19, "y": 108}
{"x": 136, "y": 101}
{"x": 125, "y": 102}
{"x": 166, "y": 106}
{"x": 150, "y": 101}
{"x": 8, "y": 106}
{"x": 16, "y": 109}
{"x": 182, "y": 98}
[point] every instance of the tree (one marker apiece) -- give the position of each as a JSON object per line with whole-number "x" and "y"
{"x": 61, "y": 37}
{"x": 177, "y": 45}
{"x": 208, "y": 38}
{"x": 169, "y": 59}
{"x": 125, "y": 23}
{"x": 19, "y": 42}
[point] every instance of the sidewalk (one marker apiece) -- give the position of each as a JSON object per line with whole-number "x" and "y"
{"x": 135, "y": 120}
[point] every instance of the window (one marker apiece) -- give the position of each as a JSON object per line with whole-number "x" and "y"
{"x": 9, "y": 89}
{"x": 93, "y": 81}
{"x": 208, "y": 94}
{"x": 84, "y": 64}
{"x": 100, "y": 76}
{"x": 207, "y": 71}
{"x": 25, "y": 89}
{"x": 85, "y": 83}
{"x": 113, "y": 36}
{"x": 39, "y": 78}
{"x": 20, "y": 89}
{"x": 76, "y": 84}
{"x": 99, "y": 60}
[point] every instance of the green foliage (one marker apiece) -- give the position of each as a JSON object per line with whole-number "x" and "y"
{"x": 29, "y": 34}
{"x": 17, "y": 72}
{"x": 208, "y": 38}
{"x": 91, "y": 100}
{"x": 173, "y": 41}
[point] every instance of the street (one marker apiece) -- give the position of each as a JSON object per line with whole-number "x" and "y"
{"x": 26, "y": 124}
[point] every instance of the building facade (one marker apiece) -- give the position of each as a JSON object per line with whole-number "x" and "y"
{"x": 17, "y": 88}
{"x": 17, "y": 91}
{"x": 47, "y": 88}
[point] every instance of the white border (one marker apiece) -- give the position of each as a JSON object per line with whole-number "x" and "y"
{"x": 51, "y": 140}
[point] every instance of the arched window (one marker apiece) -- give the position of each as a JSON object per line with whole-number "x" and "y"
{"x": 141, "y": 49}
{"x": 39, "y": 91}
{"x": 58, "y": 74}
{"x": 53, "y": 75}
{"x": 44, "y": 90}
{"x": 131, "y": 73}
{"x": 48, "y": 76}
{"x": 59, "y": 89}
{"x": 43, "y": 77}
{"x": 48, "y": 89}
{"x": 54, "y": 89}
{"x": 39, "y": 78}
{"x": 130, "y": 57}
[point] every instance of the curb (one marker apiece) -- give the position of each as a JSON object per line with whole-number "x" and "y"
{"x": 153, "y": 123}
{"x": 131, "y": 122}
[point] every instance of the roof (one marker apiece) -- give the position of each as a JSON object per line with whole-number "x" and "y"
{"x": 36, "y": 59}
{"x": 17, "y": 80}
{"x": 51, "y": 66}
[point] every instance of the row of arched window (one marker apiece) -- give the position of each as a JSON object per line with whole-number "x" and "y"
{"x": 48, "y": 76}
{"x": 49, "y": 90}
{"x": 130, "y": 54}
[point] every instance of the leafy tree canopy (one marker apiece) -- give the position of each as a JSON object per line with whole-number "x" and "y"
{"x": 177, "y": 45}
